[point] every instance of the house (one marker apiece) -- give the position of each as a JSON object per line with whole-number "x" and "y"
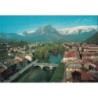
{"x": 88, "y": 64}
{"x": 28, "y": 57}
{"x": 12, "y": 68}
{"x": 86, "y": 77}
{"x": 96, "y": 63}
{"x": 89, "y": 55}
{"x": 90, "y": 48}
{"x": 70, "y": 55}
{"x": 20, "y": 57}
{"x": 71, "y": 67}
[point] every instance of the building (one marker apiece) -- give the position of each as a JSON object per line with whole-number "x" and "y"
{"x": 70, "y": 55}
{"x": 91, "y": 49}
{"x": 72, "y": 68}
{"x": 89, "y": 55}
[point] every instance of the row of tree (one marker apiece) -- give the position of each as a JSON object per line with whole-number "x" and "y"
{"x": 58, "y": 74}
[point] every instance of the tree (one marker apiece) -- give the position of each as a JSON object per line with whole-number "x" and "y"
{"x": 58, "y": 74}
{"x": 41, "y": 53}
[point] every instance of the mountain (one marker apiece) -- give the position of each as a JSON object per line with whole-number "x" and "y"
{"x": 42, "y": 34}
{"x": 47, "y": 33}
{"x": 10, "y": 36}
{"x": 93, "y": 39}
{"x": 78, "y": 33}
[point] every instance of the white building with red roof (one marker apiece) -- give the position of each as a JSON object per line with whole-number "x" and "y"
{"x": 70, "y": 55}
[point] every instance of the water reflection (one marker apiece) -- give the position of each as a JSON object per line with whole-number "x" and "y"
{"x": 36, "y": 75}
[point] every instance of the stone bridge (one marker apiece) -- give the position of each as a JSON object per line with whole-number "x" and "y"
{"x": 47, "y": 65}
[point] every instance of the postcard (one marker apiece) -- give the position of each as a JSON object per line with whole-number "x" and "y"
{"x": 48, "y": 48}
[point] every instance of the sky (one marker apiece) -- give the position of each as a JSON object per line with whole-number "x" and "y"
{"x": 17, "y": 24}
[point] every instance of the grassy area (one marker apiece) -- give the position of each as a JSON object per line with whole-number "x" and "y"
{"x": 58, "y": 74}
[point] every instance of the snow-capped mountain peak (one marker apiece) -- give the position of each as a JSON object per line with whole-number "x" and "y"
{"x": 77, "y": 29}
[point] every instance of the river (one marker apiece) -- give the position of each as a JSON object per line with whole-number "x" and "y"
{"x": 36, "y": 75}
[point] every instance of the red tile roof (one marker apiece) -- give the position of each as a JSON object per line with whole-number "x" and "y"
{"x": 96, "y": 63}
{"x": 22, "y": 57}
{"x": 71, "y": 53}
{"x": 85, "y": 61}
{"x": 85, "y": 76}
{"x": 97, "y": 67}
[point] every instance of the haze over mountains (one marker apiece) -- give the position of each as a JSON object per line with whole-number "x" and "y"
{"x": 48, "y": 33}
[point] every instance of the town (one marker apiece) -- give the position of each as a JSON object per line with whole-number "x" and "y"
{"x": 81, "y": 63}
{"x": 80, "y": 60}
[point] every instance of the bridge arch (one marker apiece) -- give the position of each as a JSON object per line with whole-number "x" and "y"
{"x": 54, "y": 68}
{"x": 46, "y": 68}
{"x": 37, "y": 66}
